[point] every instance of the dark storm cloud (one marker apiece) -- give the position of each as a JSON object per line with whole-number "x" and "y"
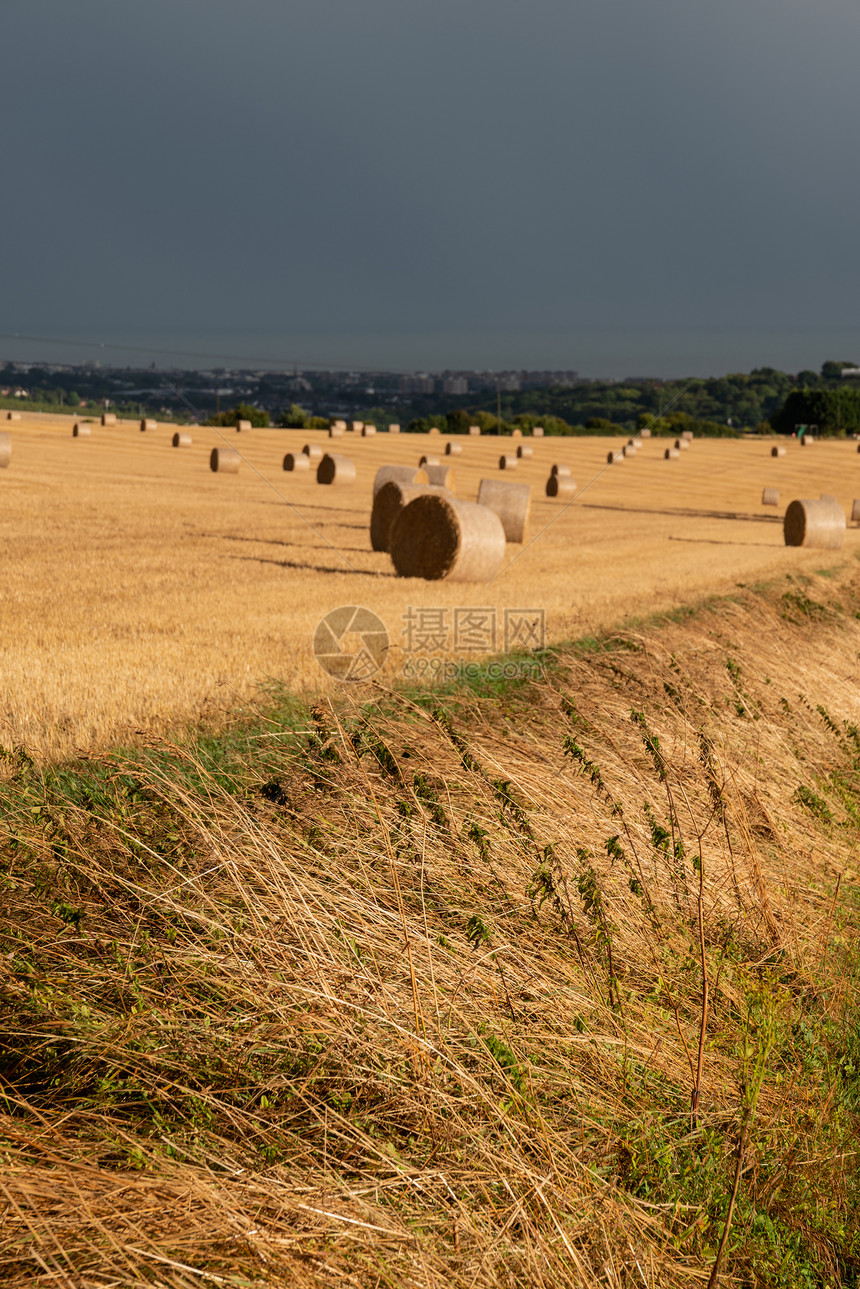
{"x": 463, "y": 164}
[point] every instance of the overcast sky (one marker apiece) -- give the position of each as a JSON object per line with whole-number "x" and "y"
{"x": 461, "y": 167}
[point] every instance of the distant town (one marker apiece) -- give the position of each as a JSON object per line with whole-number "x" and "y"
{"x": 324, "y": 393}
{"x": 564, "y": 401}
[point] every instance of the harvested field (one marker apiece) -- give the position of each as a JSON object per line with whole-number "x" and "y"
{"x": 187, "y": 589}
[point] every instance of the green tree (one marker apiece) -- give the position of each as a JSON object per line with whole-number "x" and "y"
{"x": 294, "y": 418}
{"x": 458, "y": 422}
{"x": 551, "y": 425}
{"x": 242, "y": 412}
{"x": 833, "y": 370}
{"x": 834, "y": 411}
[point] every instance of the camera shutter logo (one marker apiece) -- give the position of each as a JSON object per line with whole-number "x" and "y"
{"x": 351, "y": 643}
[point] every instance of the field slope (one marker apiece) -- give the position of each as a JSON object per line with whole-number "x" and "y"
{"x": 480, "y": 987}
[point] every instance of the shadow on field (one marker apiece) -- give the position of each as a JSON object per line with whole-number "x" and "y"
{"x": 316, "y": 568}
{"x": 682, "y": 513}
{"x": 279, "y": 541}
{"x": 718, "y": 541}
{"x": 307, "y": 507}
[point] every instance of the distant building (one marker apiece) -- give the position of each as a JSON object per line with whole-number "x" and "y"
{"x": 455, "y": 385}
{"x": 417, "y": 384}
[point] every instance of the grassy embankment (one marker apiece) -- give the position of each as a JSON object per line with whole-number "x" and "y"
{"x": 481, "y": 987}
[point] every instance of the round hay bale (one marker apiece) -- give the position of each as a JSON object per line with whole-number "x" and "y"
{"x": 777, "y": 452}
{"x": 5, "y": 449}
{"x": 560, "y": 469}
{"x": 537, "y": 432}
{"x": 297, "y": 461}
{"x": 436, "y": 536}
{"x": 560, "y": 485}
{"x": 398, "y": 474}
{"x": 441, "y": 476}
{"x": 688, "y": 435}
{"x": 517, "y": 434}
{"x": 356, "y": 427}
{"x": 242, "y": 427}
{"x": 313, "y": 451}
{"x": 614, "y": 458}
{"x": 181, "y": 439}
{"x": 453, "y": 449}
{"x": 81, "y": 431}
{"x": 224, "y": 461}
{"x": 681, "y": 444}
{"x": 628, "y": 450}
{"x": 671, "y": 454}
{"x": 147, "y": 424}
{"x": 388, "y": 502}
{"x": 428, "y": 460}
{"x": 474, "y": 429}
{"x": 367, "y": 431}
{"x": 644, "y": 434}
{"x": 13, "y": 416}
{"x": 818, "y": 524}
{"x": 335, "y": 468}
{"x": 524, "y": 451}
{"x": 507, "y": 461}
{"x": 805, "y": 440}
{"x": 336, "y": 431}
{"x": 770, "y": 496}
{"x": 512, "y": 502}
{"x": 339, "y": 423}
{"x": 855, "y": 511}
{"x": 434, "y": 431}
{"x": 394, "y": 429}
{"x": 108, "y": 418}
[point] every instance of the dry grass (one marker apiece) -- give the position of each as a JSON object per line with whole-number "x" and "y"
{"x": 140, "y": 590}
{"x": 410, "y": 993}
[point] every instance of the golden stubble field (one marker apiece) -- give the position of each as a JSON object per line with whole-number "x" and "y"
{"x": 140, "y": 590}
